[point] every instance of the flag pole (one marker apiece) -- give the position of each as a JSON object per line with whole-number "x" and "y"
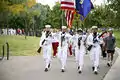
{"x": 61, "y": 21}
{"x": 77, "y": 20}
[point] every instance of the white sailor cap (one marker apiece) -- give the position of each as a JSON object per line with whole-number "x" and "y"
{"x": 94, "y": 27}
{"x": 64, "y": 27}
{"x": 80, "y": 29}
{"x": 47, "y": 26}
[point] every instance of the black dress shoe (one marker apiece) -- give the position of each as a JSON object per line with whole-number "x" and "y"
{"x": 96, "y": 72}
{"x": 46, "y": 69}
{"x": 79, "y": 72}
{"x": 78, "y": 67}
{"x": 62, "y": 70}
{"x": 108, "y": 64}
{"x": 93, "y": 68}
{"x": 49, "y": 65}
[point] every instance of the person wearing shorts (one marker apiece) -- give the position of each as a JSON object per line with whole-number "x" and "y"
{"x": 110, "y": 47}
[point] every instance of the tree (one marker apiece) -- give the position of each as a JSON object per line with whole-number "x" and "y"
{"x": 55, "y": 17}
{"x": 101, "y": 16}
{"x": 115, "y": 7}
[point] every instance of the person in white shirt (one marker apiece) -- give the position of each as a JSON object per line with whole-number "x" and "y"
{"x": 72, "y": 42}
{"x": 94, "y": 48}
{"x": 63, "y": 47}
{"x": 79, "y": 43}
{"x": 46, "y": 45}
{"x": 55, "y": 42}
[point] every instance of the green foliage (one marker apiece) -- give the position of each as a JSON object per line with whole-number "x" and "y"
{"x": 117, "y": 35}
{"x": 28, "y": 14}
{"x": 101, "y": 16}
{"x": 54, "y": 17}
{"x": 77, "y": 23}
{"x": 3, "y": 5}
{"x": 11, "y": 2}
{"x": 115, "y": 6}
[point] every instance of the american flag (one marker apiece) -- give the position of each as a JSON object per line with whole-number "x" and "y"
{"x": 69, "y": 15}
{"x": 69, "y": 7}
{"x": 67, "y": 4}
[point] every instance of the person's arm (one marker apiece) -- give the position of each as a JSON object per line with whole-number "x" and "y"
{"x": 41, "y": 39}
{"x": 40, "y": 43}
{"x": 101, "y": 41}
{"x": 105, "y": 42}
{"x": 114, "y": 42}
{"x": 89, "y": 40}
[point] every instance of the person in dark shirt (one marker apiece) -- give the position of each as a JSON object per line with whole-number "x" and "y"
{"x": 110, "y": 46}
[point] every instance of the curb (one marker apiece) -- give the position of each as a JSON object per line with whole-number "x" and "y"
{"x": 113, "y": 73}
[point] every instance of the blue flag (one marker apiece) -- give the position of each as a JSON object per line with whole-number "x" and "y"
{"x": 83, "y": 7}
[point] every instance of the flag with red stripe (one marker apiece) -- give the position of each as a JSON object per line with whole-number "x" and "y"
{"x": 69, "y": 15}
{"x": 68, "y": 4}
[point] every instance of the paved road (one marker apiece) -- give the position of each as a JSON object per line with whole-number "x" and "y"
{"x": 114, "y": 72}
{"x": 32, "y": 68}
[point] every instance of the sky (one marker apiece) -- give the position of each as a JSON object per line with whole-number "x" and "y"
{"x": 51, "y": 3}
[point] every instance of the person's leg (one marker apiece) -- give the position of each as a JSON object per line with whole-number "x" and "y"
{"x": 45, "y": 59}
{"x": 96, "y": 63}
{"x": 60, "y": 57}
{"x": 63, "y": 60}
{"x": 73, "y": 51}
{"x": 47, "y": 62}
{"x": 53, "y": 45}
{"x": 81, "y": 61}
{"x": 77, "y": 57}
{"x": 102, "y": 50}
{"x": 112, "y": 55}
{"x": 56, "y": 48}
{"x": 49, "y": 57}
{"x": 92, "y": 57}
{"x": 70, "y": 49}
{"x": 109, "y": 57}
{"x": 104, "y": 54}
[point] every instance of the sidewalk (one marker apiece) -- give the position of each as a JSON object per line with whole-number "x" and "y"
{"x": 114, "y": 72}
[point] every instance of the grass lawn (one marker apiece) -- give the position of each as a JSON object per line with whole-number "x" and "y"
{"x": 117, "y": 35}
{"x": 19, "y": 46}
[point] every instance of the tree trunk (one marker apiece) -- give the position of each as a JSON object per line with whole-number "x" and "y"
{"x": 25, "y": 29}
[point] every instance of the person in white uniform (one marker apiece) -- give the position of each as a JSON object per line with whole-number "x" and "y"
{"x": 55, "y": 42}
{"x": 46, "y": 45}
{"x": 63, "y": 47}
{"x": 79, "y": 43}
{"x": 94, "y": 48}
{"x": 73, "y": 38}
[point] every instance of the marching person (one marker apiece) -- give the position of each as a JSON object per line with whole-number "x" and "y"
{"x": 103, "y": 45}
{"x": 79, "y": 42}
{"x": 110, "y": 42}
{"x": 55, "y": 42}
{"x": 63, "y": 47}
{"x": 46, "y": 45}
{"x": 73, "y": 43}
{"x": 94, "y": 48}
{"x": 70, "y": 46}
